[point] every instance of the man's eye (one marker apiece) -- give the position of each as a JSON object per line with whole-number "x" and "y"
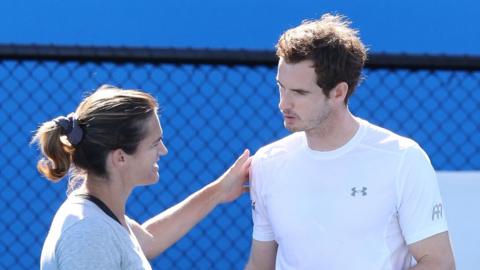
{"x": 302, "y": 93}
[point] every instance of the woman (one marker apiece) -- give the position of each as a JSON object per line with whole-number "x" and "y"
{"x": 110, "y": 145}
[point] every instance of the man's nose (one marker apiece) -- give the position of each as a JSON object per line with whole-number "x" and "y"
{"x": 284, "y": 103}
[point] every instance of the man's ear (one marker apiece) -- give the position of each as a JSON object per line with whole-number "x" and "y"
{"x": 339, "y": 92}
{"x": 117, "y": 158}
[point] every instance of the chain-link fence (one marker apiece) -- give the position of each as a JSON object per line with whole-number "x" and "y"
{"x": 214, "y": 104}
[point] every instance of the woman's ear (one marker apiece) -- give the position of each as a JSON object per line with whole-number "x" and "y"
{"x": 117, "y": 158}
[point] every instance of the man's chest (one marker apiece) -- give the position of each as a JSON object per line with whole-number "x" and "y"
{"x": 329, "y": 198}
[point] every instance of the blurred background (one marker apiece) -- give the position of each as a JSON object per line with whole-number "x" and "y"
{"x": 427, "y": 26}
{"x": 211, "y": 66}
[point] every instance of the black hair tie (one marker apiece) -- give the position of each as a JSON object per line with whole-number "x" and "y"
{"x": 70, "y": 127}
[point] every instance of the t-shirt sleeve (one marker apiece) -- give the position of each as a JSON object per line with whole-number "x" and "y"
{"x": 420, "y": 207}
{"x": 262, "y": 230}
{"x": 87, "y": 245}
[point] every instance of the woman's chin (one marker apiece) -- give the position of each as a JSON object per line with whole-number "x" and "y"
{"x": 152, "y": 180}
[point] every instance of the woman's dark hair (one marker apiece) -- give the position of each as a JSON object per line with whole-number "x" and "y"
{"x": 110, "y": 118}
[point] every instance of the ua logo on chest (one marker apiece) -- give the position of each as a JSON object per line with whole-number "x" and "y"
{"x": 359, "y": 191}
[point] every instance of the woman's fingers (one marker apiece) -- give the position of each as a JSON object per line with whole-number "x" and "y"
{"x": 243, "y": 157}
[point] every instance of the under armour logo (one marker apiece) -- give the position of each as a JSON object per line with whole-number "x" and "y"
{"x": 362, "y": 191}
{"x": 437, "y": 212}
{"x": 253, "y": 205}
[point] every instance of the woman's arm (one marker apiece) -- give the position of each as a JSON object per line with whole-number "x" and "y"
{"x": 163, "y": 230}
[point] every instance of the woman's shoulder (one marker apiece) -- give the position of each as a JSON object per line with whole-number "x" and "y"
{"x": 82, "y": 224}
{"x": 78, "y": 215}
{"x": 88, "y": 240}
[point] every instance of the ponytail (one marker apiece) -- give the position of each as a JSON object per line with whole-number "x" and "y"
{"x": 54, "y": 140}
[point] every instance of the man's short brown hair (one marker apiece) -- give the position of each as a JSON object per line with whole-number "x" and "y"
{"x": 333, "y": 46}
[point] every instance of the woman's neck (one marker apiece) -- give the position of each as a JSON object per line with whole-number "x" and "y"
{"x": 113, "y": 194}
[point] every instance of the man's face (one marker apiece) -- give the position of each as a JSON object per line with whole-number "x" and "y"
{"x": 302, "y": 102}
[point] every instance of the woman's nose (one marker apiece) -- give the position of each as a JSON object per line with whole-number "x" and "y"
{"x": 163, "y": 149}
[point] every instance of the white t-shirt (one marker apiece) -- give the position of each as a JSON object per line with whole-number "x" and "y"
{"x": 357, "y": 207}
{"x": 82, "y": 236}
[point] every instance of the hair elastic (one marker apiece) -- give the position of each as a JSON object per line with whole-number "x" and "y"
{"x": 70, "y": 128}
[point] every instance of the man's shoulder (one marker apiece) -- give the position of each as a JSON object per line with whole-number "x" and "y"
{"x": 281, "y": 147}
{"x": 387, "y": 140}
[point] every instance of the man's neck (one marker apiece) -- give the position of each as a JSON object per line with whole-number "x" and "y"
{"x": 335, "y": 133}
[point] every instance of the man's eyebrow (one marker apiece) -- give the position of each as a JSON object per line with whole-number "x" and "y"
{"x": 294, "y": 89}
{"x": 301, "y": 91}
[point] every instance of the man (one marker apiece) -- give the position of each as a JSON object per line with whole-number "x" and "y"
{"x": 340, "y": 193}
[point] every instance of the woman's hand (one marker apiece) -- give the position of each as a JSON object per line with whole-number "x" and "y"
{"x": 232, "y": 183}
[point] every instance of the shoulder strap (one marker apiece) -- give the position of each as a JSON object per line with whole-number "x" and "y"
{"x": 100, "y": 204}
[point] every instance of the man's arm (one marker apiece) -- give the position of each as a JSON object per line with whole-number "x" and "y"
{"x": 433, "y": 253}
{"x": 262, "y": 255}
